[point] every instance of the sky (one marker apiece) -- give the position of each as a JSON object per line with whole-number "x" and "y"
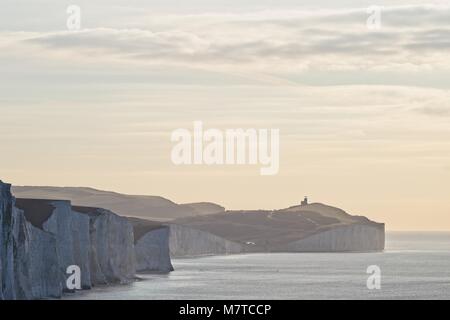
{"x": 363, "y": 114}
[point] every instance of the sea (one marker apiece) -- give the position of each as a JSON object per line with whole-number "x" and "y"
{"x": 415, "y": 265}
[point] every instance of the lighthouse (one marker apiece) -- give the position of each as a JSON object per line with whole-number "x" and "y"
{"x": 305, "y": 201}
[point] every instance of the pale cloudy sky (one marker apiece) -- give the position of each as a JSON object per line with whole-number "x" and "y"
{"x": 364, "y": 116}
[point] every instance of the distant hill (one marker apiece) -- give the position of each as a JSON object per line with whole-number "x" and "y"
{"x": 148, "y": 207}
{"x": 272, "y": 230}
{"x": 204, "y": 207}
{"x": 324, "y": 210}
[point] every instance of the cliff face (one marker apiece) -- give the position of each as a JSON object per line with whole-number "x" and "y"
{"x": 81, "y": 236}
{"x": 111, "y": 252}
{"x": 151, "y": 243}
{"x": 69, "y": 229}
{"x": 19, "y": 285}
{"x": 15, "y": 241}
{"x": 152, "y": 251}
{"x": 45, "y": 275}
{"x": 5, "y": 240}
{"x": 28, "y": 256}
{"x": 350, "y": 238}
{"x": 186, "y": 241}
{"x": 40, "y": 239}
{"x": 60, "y": 239}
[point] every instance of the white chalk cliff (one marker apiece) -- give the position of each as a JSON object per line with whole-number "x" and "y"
{"x": 112, "y": 256}
{"x": 152, "y": 251}
{"x": 70, "y": 230}
{"x": 39, "y": 239}
{"x": 349, "y": 238}
{"x": 186, "y": 241}
{"x": 28, "y": 255}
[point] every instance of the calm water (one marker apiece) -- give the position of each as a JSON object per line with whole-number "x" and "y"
{"x": 414, "y": 266}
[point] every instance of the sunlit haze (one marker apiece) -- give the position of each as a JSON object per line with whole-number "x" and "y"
{"x": 364, "y": 115}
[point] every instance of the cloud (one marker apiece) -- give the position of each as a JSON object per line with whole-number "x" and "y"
{"x": 411, "y": 37}
{"x": 435, "y": 110}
